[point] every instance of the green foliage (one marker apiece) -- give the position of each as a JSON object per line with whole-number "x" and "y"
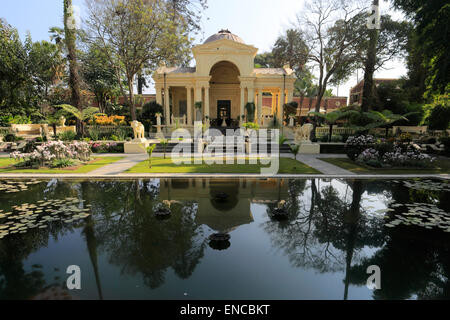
{"x": 250, "y": 107}
{"x": 19, "y": 119}
{"x": 99, "y": 76}
{"x": 27, "y": 71}
{"x": 282, "y": 140}
{"x": 150, "y": 150}
{"x": 84, "y": 115}
{"x": 94, "y": 133}
{"x": 295, "y": 149}
{"x": 63, "y": 163}
{"x": 136, "y": 34}
{"x": 251, "y": 126}
{"x": 439, "y": 118}
{"x": 121, "y": 134}
{"x": 164, "y": 143}
{"x": 67, "y": 136}
{"x": 431, "y": 28}
{"x": 198, "y": 105}
{"x": 10, "y": 137}
{"x": 148, "y": 114}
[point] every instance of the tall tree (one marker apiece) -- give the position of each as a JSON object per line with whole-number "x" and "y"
{"x": 433, "y": 31}
{"x": 74, "y": 76}
{"x": 368, "y": 98}
{"x": 330, "y": 33}
{"x": 99, "y": 76}
{"x": 291, "y": 49}
{"x": 132, "y": 34}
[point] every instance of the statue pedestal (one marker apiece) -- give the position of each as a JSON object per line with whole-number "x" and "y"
{"x": 307, "y": 147}
{"x": 159, "y": 135}
{"x": 136, "y": 146}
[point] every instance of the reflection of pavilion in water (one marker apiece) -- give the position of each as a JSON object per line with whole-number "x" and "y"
{"x": 232, "y": 212}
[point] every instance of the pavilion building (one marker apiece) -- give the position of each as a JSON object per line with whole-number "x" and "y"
{"x": 221, "y": 84}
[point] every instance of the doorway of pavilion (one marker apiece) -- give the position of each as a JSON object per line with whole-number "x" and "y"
{"x": 224, "y": 113}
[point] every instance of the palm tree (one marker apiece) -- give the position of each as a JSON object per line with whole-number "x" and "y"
{"x": 295, "y": 149}
{"x": 70, "y": 41}
{"x": 384, "y": 119}
{"x": 81, "y": 115}
{"x": 332, "y": 117}
{"x": 164, "y": 144}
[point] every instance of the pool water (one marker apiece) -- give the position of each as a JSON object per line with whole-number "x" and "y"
{"x": 329, "y": 232}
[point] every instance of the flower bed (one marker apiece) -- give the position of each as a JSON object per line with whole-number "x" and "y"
{"x": 54, "y": 153}
{"x": 379, "y": 153}
{"x": 107, "y": 147}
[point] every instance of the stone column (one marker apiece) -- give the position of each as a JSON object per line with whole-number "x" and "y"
{"x": 198, "y": 98}
{"x": 251, "y": 94}
{"x": 159, "y": 99}
{"x": 189, "y": 105}
{"x": 242, "y": 109}
{"x": 274, "y": 102}
{"x": 260, "y": 106}
{"x": 282, "y": 102}
{"x": 167, "y": 106}
{"x": 207, "y": 102}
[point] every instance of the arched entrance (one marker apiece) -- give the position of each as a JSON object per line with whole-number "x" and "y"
{"x": 224, "y": 94}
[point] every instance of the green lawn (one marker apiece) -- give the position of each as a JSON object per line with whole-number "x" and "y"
{"x": 6, "y": 166}
{"x": 440, "y": 166}
{"x": 161, "y": 165}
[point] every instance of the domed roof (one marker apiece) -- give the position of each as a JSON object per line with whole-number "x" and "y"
{"x": 224, "y": 34}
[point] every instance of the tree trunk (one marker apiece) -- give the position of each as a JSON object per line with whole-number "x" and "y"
{"x": 74, "y": 77}
{"x": 331, "y": 133}
{"x": 317, "y": 109}
{"x": 131, "y": 99}
{"x": 302, "y": 99}
{"x": 140, "y": 84}
{"x": 368, "y": 99}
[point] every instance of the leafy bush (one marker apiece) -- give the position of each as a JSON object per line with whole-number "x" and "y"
{"x": 63, "y": 163}
{"x": 251, "y": 126}
{"x": 10, "y": 137}
{"x": 67, "y": 136}
{"x": 148, "y": 115}
{"x": 94, "y": 133}
{"x": 439, "y": 118}
{"x": 250, "y": 107}
{"x": 19, "y": 120}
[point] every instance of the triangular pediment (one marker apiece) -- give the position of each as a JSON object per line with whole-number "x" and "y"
{"x": 224, "y": 46}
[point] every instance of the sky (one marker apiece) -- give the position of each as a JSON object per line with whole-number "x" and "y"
{"x": 257, "y": 22}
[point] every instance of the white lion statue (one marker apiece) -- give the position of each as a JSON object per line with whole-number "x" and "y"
{"x": 303, "y": 133}
{"x": 138, "y": 129}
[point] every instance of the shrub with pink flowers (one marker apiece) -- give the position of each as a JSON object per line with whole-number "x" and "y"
{"x": 45, "y": 154}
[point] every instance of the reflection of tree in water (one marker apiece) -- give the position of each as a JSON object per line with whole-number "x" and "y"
{"x": 324, "y": 232}
{"x": 138, "y": 241}
{"x": 15, "y": 282}
{"x": 414, "y": 262}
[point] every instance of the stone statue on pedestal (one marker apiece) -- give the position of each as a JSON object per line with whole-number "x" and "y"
{"x": 303, "y": 133}
{"x": 138, "y": 130}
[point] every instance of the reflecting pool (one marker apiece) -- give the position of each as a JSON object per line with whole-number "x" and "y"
{"x": 225, "y": 239}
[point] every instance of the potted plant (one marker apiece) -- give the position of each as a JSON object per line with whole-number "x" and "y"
{"x": 250, "y": 107}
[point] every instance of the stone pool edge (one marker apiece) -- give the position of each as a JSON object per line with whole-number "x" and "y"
{"x": 125, "y": 176}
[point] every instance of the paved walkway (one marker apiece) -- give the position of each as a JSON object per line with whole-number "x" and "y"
{"x": 119, "y": 166}
{"x": 322, "y": 166}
